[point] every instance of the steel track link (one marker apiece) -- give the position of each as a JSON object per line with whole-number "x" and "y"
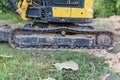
{"x": 22, "y": 30}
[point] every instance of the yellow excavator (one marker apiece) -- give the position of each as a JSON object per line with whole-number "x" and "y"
{"x": 63, "y": 24}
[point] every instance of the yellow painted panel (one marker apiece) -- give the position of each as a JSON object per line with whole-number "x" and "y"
{"x": 61, "y": 12}
{"x": 20, "y": 3}
{"x": 77, "y": 13}
{"x": 88, "y": 4}
{"x": 81, "y": 13}
{"x": 23, "y": 6}
{"x": 89, "y": 13}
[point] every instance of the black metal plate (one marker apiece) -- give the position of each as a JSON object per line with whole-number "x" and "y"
{"x": 33, "y": 41}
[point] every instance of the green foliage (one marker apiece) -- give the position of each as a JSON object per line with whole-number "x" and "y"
{"x": 118, "y": 4}
{"x": 118, "y": 7}
{"x": 106, "y": 8}
{"x": 4, "y": 6}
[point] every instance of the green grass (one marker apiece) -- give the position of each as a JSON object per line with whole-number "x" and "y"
{"x": 11, "y": 16}
{"x": 39, "y": 66}
{"x": 14, "y": 20}
{"x": 26, "y": 66}
{"x": 103, "y": 25}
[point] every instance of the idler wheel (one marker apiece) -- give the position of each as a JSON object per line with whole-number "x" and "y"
{"x": 104, "y": 40}
{"x": 63, "y": 33}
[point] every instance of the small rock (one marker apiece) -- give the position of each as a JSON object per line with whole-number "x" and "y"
{"x": 104, "y": 76}
{"x": 109, "y": 77}
{"x": 67, "y": 65}
{"x": 49, "y": 78}
{"x": 6, "y": 56}
{"x": 33, "y": 54}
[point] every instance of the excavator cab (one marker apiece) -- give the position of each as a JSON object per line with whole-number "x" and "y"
{"x": 72, "y": 10}
{"x": 64, "y": 11}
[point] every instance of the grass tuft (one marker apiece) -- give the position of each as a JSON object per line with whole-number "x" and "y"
{"x": 25, "y": 65}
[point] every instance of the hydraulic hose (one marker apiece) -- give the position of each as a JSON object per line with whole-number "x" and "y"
{"x": 12, "y": 4}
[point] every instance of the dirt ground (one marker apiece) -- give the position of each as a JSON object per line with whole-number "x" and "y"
{"x": 113, "y": 24}
{"x": 113, "y": 59}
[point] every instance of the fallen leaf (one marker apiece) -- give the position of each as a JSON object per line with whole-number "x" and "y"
{"x": 49, "y": 78}
{"x": 67, "y": 65}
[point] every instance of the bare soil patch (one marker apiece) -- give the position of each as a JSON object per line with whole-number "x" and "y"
{"x": 112, "y": 23}
{"x": 113, "y": 59}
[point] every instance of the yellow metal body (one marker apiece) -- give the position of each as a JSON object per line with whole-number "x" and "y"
{"x": 61, "y": 12}
{"x": 86, "y": 12}
{"x": 23, "y": 6}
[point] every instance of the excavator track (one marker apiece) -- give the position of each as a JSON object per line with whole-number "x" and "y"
{"x": 4, "y": 33}
{"x": 60, "y": 38}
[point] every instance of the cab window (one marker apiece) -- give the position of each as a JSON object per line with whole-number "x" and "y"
{"x": 66, "y": 1}
{"x": 74, "y": 2}
{"x": 70, "y": 3}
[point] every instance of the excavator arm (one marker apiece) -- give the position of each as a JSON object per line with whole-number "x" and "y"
{"x": 21, "y": 8}
{"x": 12, "y": 4}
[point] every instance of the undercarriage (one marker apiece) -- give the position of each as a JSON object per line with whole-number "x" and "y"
{"x": 61, "y": 30}
{"x": 44, "y": 36}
